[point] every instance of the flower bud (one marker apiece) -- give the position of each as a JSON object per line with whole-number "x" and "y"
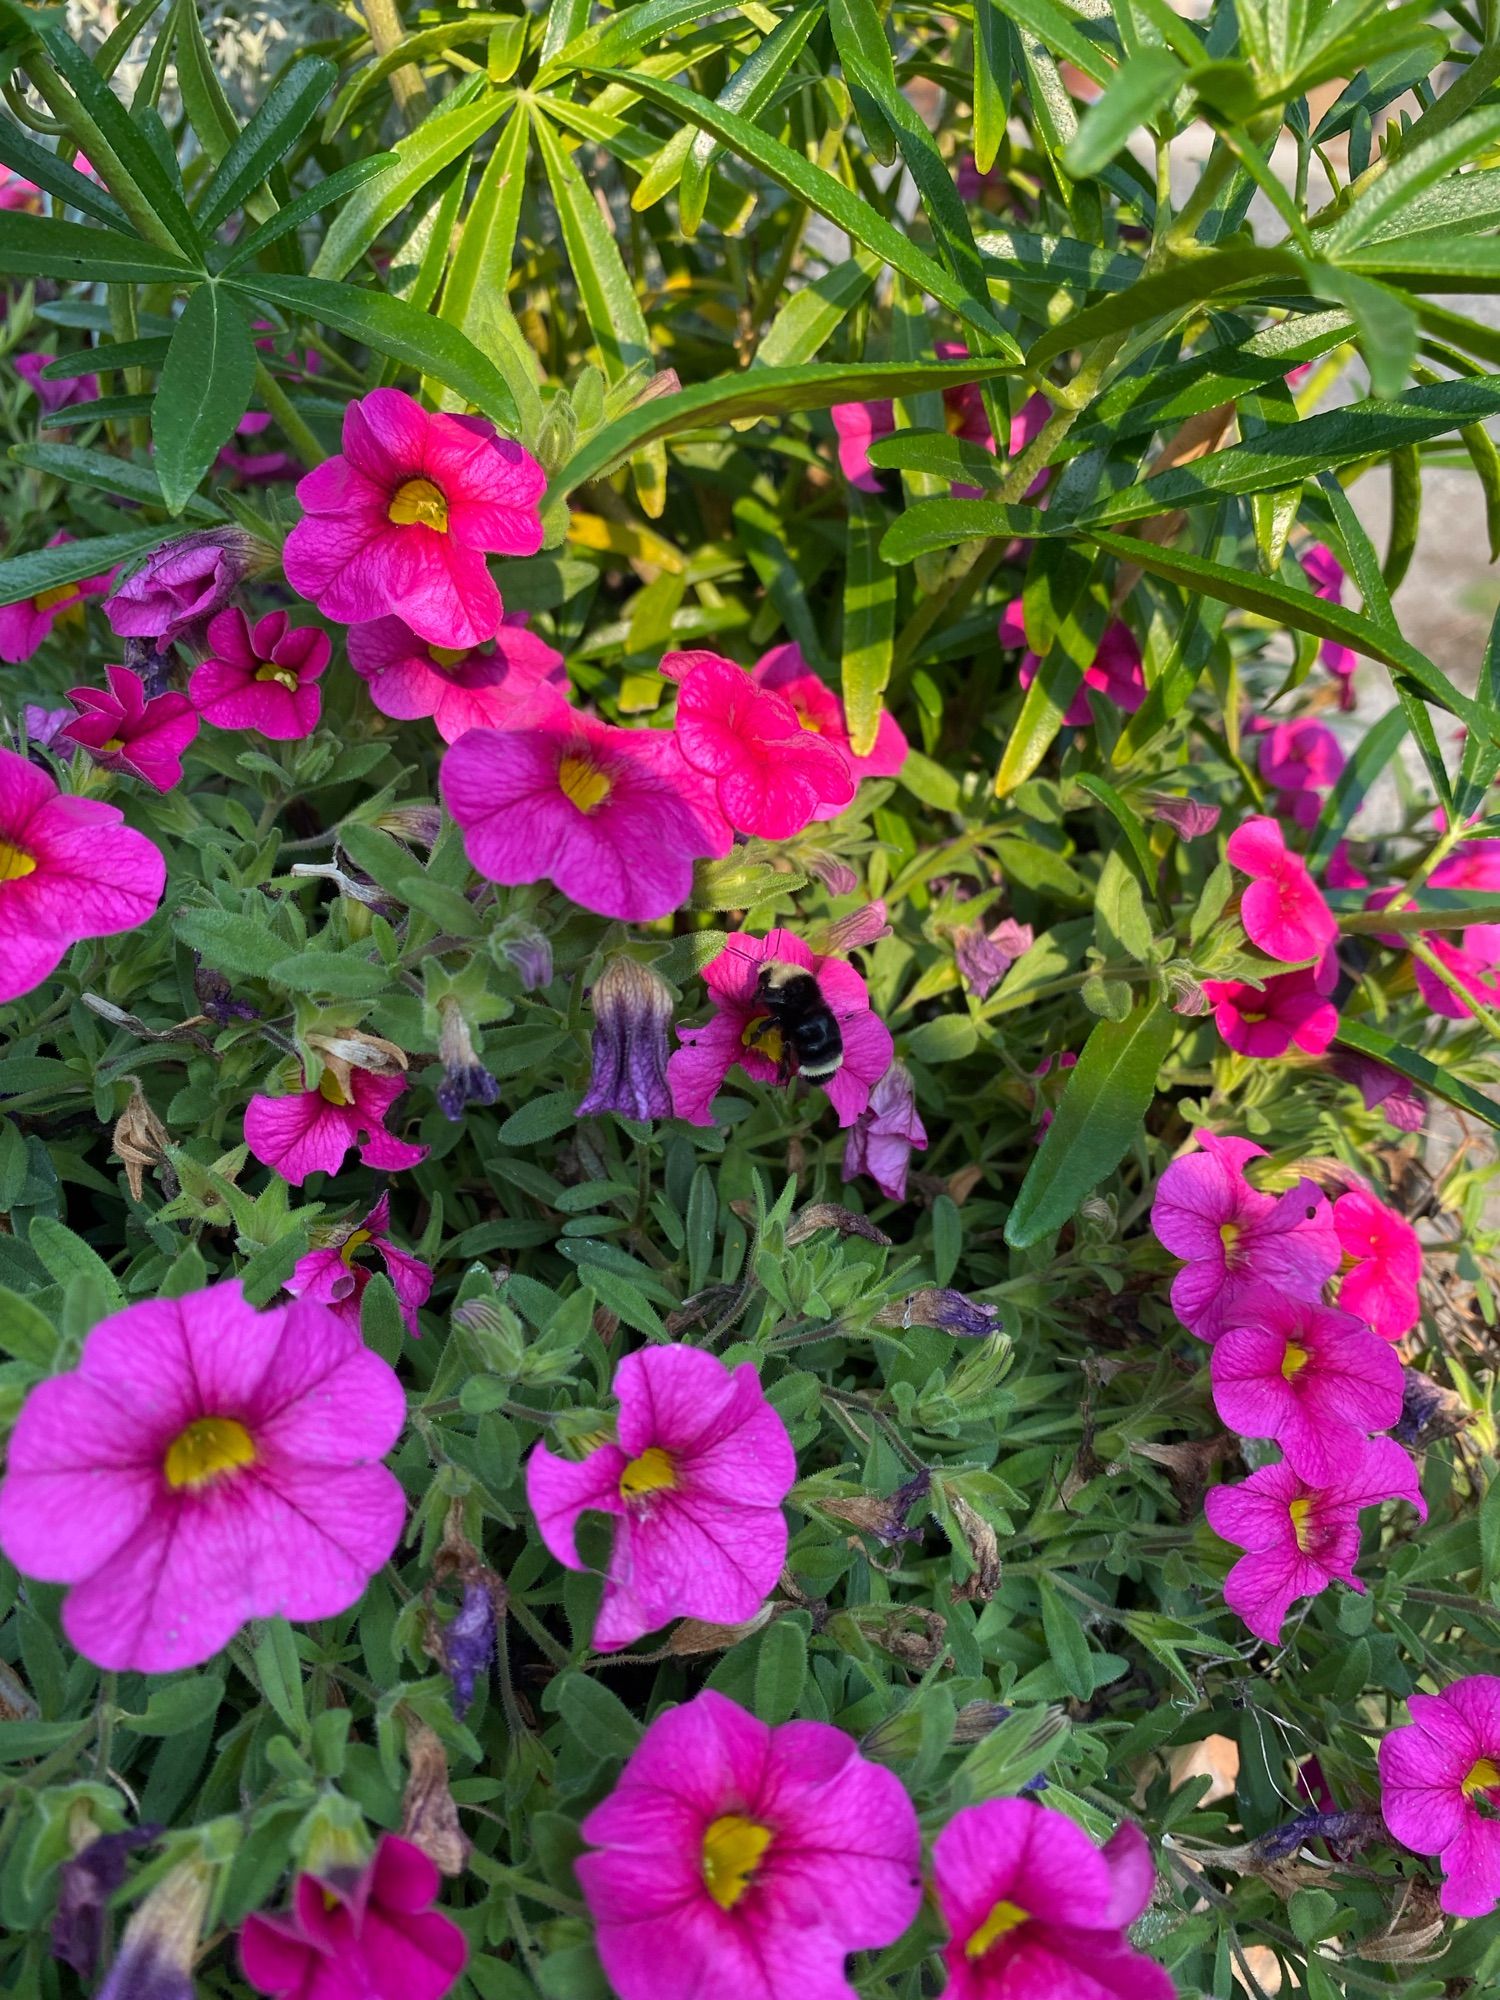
{"x": 183, "y": 583}
{"x": 419, "y": 824}
{"x": 155, "y": 1959}
{"x": 941, "y": 1307}
{"x": 530, "y": 953}
{"x": 216, "y": 997}
{"x": 632, "y": 1009}
{"x": 861, "y": 927}
{"x": 837, "y": 877}
{"x": 1189, "y": 819}
{"x": 465, "y": 1079}
{"x": 85, "y": 1886}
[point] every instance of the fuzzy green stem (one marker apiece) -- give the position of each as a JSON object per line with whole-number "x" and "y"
{"x": 383, "y": 19}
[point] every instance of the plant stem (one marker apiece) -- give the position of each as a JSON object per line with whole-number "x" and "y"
{"x": 293, "y": 429}
{"x": 1425, "y": 955}
{"x": 383, "y": 20}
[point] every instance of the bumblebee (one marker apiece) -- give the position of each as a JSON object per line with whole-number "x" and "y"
{"x": 808, "y": 1026}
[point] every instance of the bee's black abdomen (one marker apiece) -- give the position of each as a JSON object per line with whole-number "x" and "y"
{"x": 819, "y": 1045}
{"x": 809, "y": 1029}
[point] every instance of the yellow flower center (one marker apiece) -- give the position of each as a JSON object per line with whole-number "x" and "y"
{"x": 1004, "y": 1918}
{"x": 283, "y": 676}
{"x": 1299, "y": 1511}
{"x": 1483, "y": 1777}
{"x": 354, "y": 1245}
{"x": 15, "y": 862}
{"x": 1293, "y": 1361}
{"x": 733, "y": 1848}
{"x": 583, "y": 783}
{"x": 1229, "y": 1235}
{"x": 60, "y": 593}
{"x": 652, "y": 1472}
{"x": 760, "y": 1034}
{"x": 1244, "y": 1016}
{"x": 114, "y": 743}
{"x": 446, "y": 657}
{"x": 206, "y": 1450}
{"x": 418, "y": 503}
{"x": 331, "y": 1090}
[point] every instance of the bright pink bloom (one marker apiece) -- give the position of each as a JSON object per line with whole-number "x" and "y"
{"x": 1236, "y": 1239}
{"x": 311, "y": 1131}
{"x": 332, "y": 1277}
{"x": 262, "y": 677}
{"x": 17, "y": 192}
{"x": 819, "y": 709}
{"x": 1316, "y": 1380}
{"x": 1298, "y": 1537}
{"x": 1474, "y": 962}
{"x": 375, "y": 1938}
{"x": 59, "y": 394}
{"x": 1291, "y": 1010}
{"x": 1115, "y": 672}
{"x": 744, "y": 1860}
{"x": 1282, "y": 910}
{"x": 1301, "y": 759}
{"x": 1382, "y": 1264}
{"x": 400, "y": 521}
{"x": 484, "y": 688}
{"x": 740, "y": 1032}
{"x": 124, "y": 731}
{"x": 203, "y": 1465}
{"x": 1476, "y": 866}
{"x": 1341, "y": 872}
{"x": 772, "y": 774}
{"x": 1036, "y": 1912}
{"x": 1440, "y": 1789}
{"x": 1326, "y": 574}
{"x": 858, "y": 426}
{"x": 613, "y": 817}
{"x": 885, "y": 1134}
{"x": 69, "y": 868}
{"x": 695, "y": 1483}
{"x": 24, "y": 626}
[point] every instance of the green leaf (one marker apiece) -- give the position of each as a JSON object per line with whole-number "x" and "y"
{"x": 1419, "y": 1069}
{"x": 45, "y": 569}
{"x": 612, "y": 40}
{"x": 278, "y": 1668}
{"x": 120, "y": 476}
{"x": 26, "y": 1334}
{"x": 204, "y": 390}
{"x": 316, "y": 199}
{"x": 232, "y": 943}
{"x": 1481, "y": 756}
{"x": 42, "y": 166}
{"x": 1141, "y": 87}
{"x": 992, "y": 79}
{"x": 1066, "y": 1644}
{"x": 416, "y": 48}
{"x": 869, "y": 623}
{"x": 1414, "y": 168}
{"x": 214, "y": 125}
{"x": 1060, "y": 31}
{"x": 35, "y": 246}
{"x": 287, "y": 110}
{"x": 1247, "y": 268}
{"x": 66, "y": 1257}
{"x": 1130, "y": 823}
{"x": 340, "y": 974}
{"x": 177, "y": 1705}
{"x": 813, "y": 313}
{"x": 780, "y": 1671}
{"x": 481, "y": 268}
{"x": 1374, "y": 751}
{"x": 1385, "y": 321}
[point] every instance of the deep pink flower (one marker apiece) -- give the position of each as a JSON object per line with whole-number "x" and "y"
{"x": 311, "y": 1131}
{"x": 1382, "y": 1264}
{"x": 483, "y": 688}
{"x": 183, "y": 583}
{"x": 54, "y": 395}
{"x": 1188, "y": 818}
{"x": 1383, "y": 1089}
{"x": 1036, "y": 1912}
{"x": 16, "y": 192}
{"x": 401, "y": 520}
{"x": 1316, "y": 1380}
{"x": 819, "y": 709}
{"x": 124, "y": 731}
{"x": 69, "y": 868}
{"x": 1474, "y": 962}
{"x": 614, "y": 817}
{"x": 331, "y": 1276}
{"x": 1341, "y": 872}
{"x": 884, "y": 1135}
{"x": 24, "y": 626}
{"x": 1475, "y": 866}
{"x": 1236, "y": 1239}
{"x": 858, "y": 426}
{"x": 1115, "y": 673}
{"x": 739, "y": 1031}
{"x": 695, "y": 1482}
{"x": 772, "y": 775}
{"x": 374, "y": 1938}
{"x": 1440, "y": 1789}
{"x": 1301, "y": 759}
{"x": 1282, "y": 910}
{"x": 203, "y": 1465}
{"x": 262, "y": 677}
{"x": 1291, "y": 1010}
{"x": 1299, "y": 1537}
{"x": 1326, "y": 574}
{"x": 747, "y": 1861}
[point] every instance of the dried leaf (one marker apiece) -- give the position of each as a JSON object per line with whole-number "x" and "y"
{"x": 429, "y": 1817}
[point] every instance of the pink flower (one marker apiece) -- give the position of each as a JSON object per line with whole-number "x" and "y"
{"x": 1475, "y": 866}
{"x": 124, "y": 731}
{"x": 400, "y": 521}
{"x": 69, "y": 868}
{"x": 1301, "y": 759}
{"x": 695, "y": 1483}
{"x": 1236, "y": 1239}
{"x": 858, "y": 426}
{"x": 1473, "y": 962}
{"x": 484, "y": 688}
{"x": 613, "y": 817}
{"x": 885, "y": 1134}
{"x": 1036, "y": 1912}
{"x": 262, "y": 678}
{"x": 1282, "y": 910}
{"x": 747, "y": 1861}
{"x": 1383, "y": 1089}
{"x": 1188, "y": 818}
{"x": 1382, "y": 1264}
{"x": 311, "y": 1131}
{"x": 739, "y": 1031}
{"x": 1341, "y": 872}
{"x": 1298, "y": 1537}
{"x": 58, "y": 395}
{"x": 1440, "y": 1789}
{"x": 16, "y": 192}
{"x": 819, "y": 709}
{"x": 984, "y": 957}
{"x": 332, "y": 1277}
{"x": 24, "y": 626}
{"x": 1317, "y": 1381}
{"x": 183, "y": 583}
{"x": 373, "y": 1938}
{"x": 1326, "y": 574}
{"x": 1115, "y": 672}
{"x": 771, "y": 774}
{"x": 203, "y": 1465}
{"x": 1291, "y": 1010}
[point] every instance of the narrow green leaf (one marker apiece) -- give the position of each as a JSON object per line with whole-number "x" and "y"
{"x": 869, "y": 624}
{"x": 1130, "y": 823}
{"x": 1061, "y": 32}
{"x": 1386, "y": 324}
{"x": 1414, "y": 168}
{"x": 288, "y": 109}
{"x": 1420, "y": 1069}
{"x": 416, "y": 48}
{"x": 814, "y": 313}
{"x": 214, "y": 125}
{"x": 1067, "y": 1646}
{"x": 1247, "y": 268}
{"x": 1374, "y": 751}
{"x": 41, "y": 165}
{"x": 992, "y": 79}
{"x": 45, "y": 569}
{"x": 120, "y": 476}
{"x": 307, "y": 205}
{"x": 1139, "y": 89}
{"x": 37, "y": 246}
{"x": 1481, "y": 757}
{"x": 611, "y": 41}
{"x": 204, "y": 391}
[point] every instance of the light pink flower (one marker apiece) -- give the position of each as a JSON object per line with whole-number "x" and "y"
{"x": 819, "y": 709}
{"x": 1115, "y": 673}
{"x": 884, "y": 1135}
{"x": 739, "y": 1031}
{"x": 1292, "y": 1010}
{"x": 311, "y": 1131}
{"x": 1299, "y": 1537}
{"x": 124, "y": 731}
{"x": 1282, "y": 910}
{"x": 54, "y": 395}
{"x": 1440, "y": 1789}
{"x": 1237, "y": 1240}
{"x": 984, "y": 957}
{"x": 857, "y": 426}
{"x": 24, "y": 626}
{"x": 614, "y": 817}
{"x": 483, "y": 688}
{"x": 1326, "y": 574}
{"x": 332, "y": 1277}
{"x": 263, "y": 678}
{"x": 69, "y": 868}
{"x": 1036, "y": 1912}
{"x": 695, "y": 1483}
{"x": 401, "y": 520}
{"x": 742, "y": 1860}
{"x": 203, "y": 1465}
{"x": 1301, "y": 759}
{"x": 1382, "y": 1264}
{"x": 772, "y": 775}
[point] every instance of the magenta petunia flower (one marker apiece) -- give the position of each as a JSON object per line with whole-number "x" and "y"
{"x": 739, "y": 1031}
{"x": 1282, "y": 910}
{"x": 695, "y": 1482}
{"x": 70, "y": 868}
{"x": 484, "y": 688}
{"x": 203, "y": 1465}
{"x": 1440, "y": 1789}
{"x": 376, "y": 1937}
{"x": 1475, "y": 866}
{"x": 1036, "y": 1912}
{"x": 613, "y": 817}
{"x": 1299, "y": 1537}
{"x": 24, "y": 626}
{"x": 885, "y": 1134}
{"x": 1316, "y": 1380}
{"x": 183, "y": 583}
{"x": 331, "y": 1276}
{"x": 124, "y": 730}
{"x": 59, "y": 394}
{"x": 311, "y": 1131}
{"x": 1382, "y": 1264}
{"x": 819, "y": 709}
{"x": 1301, "y": 759}
{"x": 1115, "y": 673}
{"x": 401, "y": 520}
{"x": 263, "y": 677}
{"x": 16, "y": 192}
{"x": 1383, "y": 1089}
{"x": 1236, "y": 1239}
{"x": 772, "y": 775}
{"x": 857, "y": 426}
{"x": 1341, "y": 872}
{"x": 1292, "y": 1010}
{"x": 739, "y": 1859}
{"x": 1326, "y": 575}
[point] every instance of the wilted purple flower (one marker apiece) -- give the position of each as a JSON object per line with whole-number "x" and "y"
{"x": 864, "y": 926}
{"x": 182, "y": 584}
{"x": 632, "y": 1011}
{"x": 55, "y": 395}
{"x": 421, "y": 824}
{"x": 469, "y": 1644}
{"x": 940, "y": 1306}
{"x": 465, "y": 1079}
{"x": 155, "y": 1958}
{"x": 882, "y": 1137}
{"x": 1189, "y": 819}
{"x": 216, "y": 996}
{"x": 905, "y": 1497}
{"x": 531, "y": 955}
{"x": 1382, "y": 1088}
{"x": 984, "y": 957}
{"x": 1423, "y": 1403}
{"x": 837, "y": 877}
{"x": 85, "y": 1885}
{"x": 42, "y": 727}
{"x": 1347, "y": 1830}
